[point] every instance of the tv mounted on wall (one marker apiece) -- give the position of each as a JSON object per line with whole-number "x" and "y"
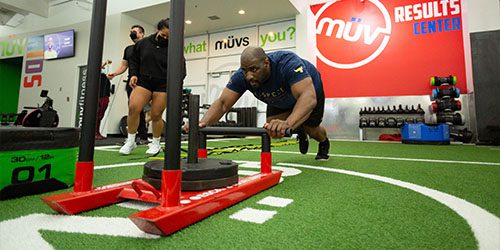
{"x": 59, "y": 45}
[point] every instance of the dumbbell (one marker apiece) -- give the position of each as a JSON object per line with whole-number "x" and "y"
{"x": 372, "y": 122}
{"x": 410, "y": 120}
{"x": 381, "y": 122}
{"x": 451, "y": 92}
{"x": 363, "y": 122}
{"x": 391, "y": 122}
{"x": 446, "y": 104}
{"x": 452, "y": 118}
{"x": 462, "y": 135}
{"x": 439, "y": 80}
{"x": 399, "y": 122}
{"x": 419, "y": 120}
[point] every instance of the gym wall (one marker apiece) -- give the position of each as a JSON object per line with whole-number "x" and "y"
{"x": 341, "y": 111}
{"x": 341, "y": 117}
{"x": 60, "y": 77}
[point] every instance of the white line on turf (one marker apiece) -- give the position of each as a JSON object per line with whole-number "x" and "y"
{"x": 397, "y": 158}
{"x": 247, "y": 172}
{"x": 120, "y": 165}
{"x": 275, "y": 201}
{"x": 137, "y": 205}
{"x": 253, "y": 215}
{"x": 485, "y": 226}
{"x": 109, "y": 147}
{"x": 474, "y": 215}
{"x": 22, "y": 233}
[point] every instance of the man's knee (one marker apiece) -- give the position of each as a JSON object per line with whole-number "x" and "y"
{"x": 134, "y": 108}
{"x": 156, "y": 116}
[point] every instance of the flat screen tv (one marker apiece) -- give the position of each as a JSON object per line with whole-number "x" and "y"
{"x": 59, "y": 45}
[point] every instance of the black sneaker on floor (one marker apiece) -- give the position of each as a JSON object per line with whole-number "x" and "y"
{"x": 303, "y": 141}
{"x": 323, "y": 150}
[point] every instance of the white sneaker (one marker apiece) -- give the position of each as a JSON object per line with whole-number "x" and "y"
{"x": 127, "y": 147}
{"x": 154, "y": 148}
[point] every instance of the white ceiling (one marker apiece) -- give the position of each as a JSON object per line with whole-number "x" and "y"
{"x": 198, "y": 11}
{"x": 19, "y": 16}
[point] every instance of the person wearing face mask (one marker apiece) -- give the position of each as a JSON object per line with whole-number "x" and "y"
{"x": 148, "y": 78}
{"x": 289, "y": 85}
{"x": 136, "y": 34}
{"x": 104, "y": 93}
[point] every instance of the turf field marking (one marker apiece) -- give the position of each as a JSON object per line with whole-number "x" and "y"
{"x": 254, "y": 164}
{"x": 253, "y": 215}
{"x": 137, "y": 205}
{"x": 120, "y": 165}
{"x": 396, "y": 158}
{"x": 115, "y": 148}
{"x": 260, "y": 216}
{"x": 275, "y": 201}
{"x": 22, "y": 232}
{"x": 485, "y": 226}
{"x": 247, "y": 172}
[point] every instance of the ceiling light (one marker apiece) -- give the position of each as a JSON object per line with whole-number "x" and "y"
{"x": 241, "y": 12}
{"x": 188, "y": 22}
{"x": 14, "y": 21}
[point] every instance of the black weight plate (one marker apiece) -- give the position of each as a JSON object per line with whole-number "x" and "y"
{"x": 196, "y": 185}
{"x": 205, "y": 169}
{"x": 23, "y": 138}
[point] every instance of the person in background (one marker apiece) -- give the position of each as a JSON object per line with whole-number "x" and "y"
{"x": 50, "y": 51}
{"x": 136, "y": 34}
{"x": 104, "y": 93}
{"x": 148, "y": 79}
{"x": 289, "y": 85}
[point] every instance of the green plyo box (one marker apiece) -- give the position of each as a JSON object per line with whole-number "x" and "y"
{"x": 36, "y": 160}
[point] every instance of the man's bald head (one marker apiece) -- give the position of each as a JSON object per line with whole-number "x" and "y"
{"x": 252, "y": 54}
{"x": 255, "y": 66}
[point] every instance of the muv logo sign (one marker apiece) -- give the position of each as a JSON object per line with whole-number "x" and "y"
{"x": 351, "y": 33}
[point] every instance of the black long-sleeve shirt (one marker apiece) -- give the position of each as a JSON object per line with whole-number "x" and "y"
{"x": 149, "y": 59}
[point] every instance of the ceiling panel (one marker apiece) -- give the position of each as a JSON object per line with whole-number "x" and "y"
{"x": 199, "y": 11}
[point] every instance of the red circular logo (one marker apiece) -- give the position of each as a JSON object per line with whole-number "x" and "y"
{"x": 351, "y": 33}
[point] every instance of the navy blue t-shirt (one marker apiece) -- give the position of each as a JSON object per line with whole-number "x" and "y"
{"x": 286, "y": 69}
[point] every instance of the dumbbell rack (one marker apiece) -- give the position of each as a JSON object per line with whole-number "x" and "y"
{"x": 245, "y": 117}
{"x": 445, "y": 106}
{"x": 379, "y": 117}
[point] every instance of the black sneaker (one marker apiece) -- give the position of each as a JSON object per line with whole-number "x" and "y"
{"x": 323, "y": 149}
{"x": 303, "y": 141}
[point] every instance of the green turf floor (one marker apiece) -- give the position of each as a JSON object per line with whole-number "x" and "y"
{"x": 329, "y": 210}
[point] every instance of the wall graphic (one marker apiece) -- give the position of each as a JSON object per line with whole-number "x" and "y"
{"x": 31, "y": 78}
{"x": 388, "y": 48}
{"x": 277, "y": 35}
{"x": 232, "y": 42}
{"x": 12, "y": 47}
{"x": 196, "y": 47}
{"x": 82, "y": 87}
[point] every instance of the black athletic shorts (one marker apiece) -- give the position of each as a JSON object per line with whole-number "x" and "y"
{"x": 314, "y": 119}
{"x": 152, "y": 84}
